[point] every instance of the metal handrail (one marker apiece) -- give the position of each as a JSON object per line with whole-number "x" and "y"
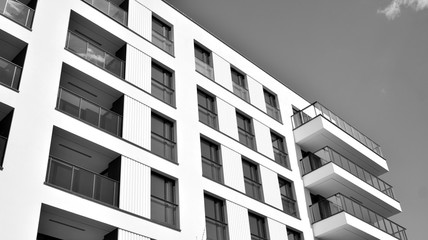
{"x": 316, "y": 109}
{"x": 339, "y": 203}
{"x": 327, "y": 155}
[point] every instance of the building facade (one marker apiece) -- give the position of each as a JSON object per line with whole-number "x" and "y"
{"x": 124, "y": 119}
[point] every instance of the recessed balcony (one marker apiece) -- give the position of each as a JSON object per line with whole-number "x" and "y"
{"x": 18, "y": 11}
{"x": 115, "y": 9}
{"x": 55, "y": 223}
{"x": 84, "y": 168}
{"x": 339, "y": 217}
{"x": 12, "y": 57}
{"x": 326, "y": 172}
{"x": 6, "y": 113}
{"x": 316, "y": 127}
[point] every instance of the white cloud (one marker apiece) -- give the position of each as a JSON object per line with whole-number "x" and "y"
{"x": 393, "y": 10}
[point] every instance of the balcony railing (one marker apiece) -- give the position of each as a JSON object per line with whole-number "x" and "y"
{"x": 163, "y": 147}
{"x": 273, "y": 112}
{"x": 339, "y": 203}
{"x": 162, "y": 42}
{"x": 241, "y": 92}
{"x": 83, "y": 182}
{"x": 316, "y": 109}
{"x": 281, "y": 158}
{"x": 95, "y": 55}
{"x": 17, "y": 11}
{"x": 164, "y": 211}
{"x": 207, "y": 117}
{"x": 327, "y": 155}
{"x": 89, "y": 112}
{"x": 204, "y": 69}
{"x": 110, "y": 9}
{"x": 10, "y": 73}
{"x": 216, "y": 230}
{"x": 3, "y": 142}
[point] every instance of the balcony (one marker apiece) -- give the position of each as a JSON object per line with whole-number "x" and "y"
{"x": 326, "y": 172}
{"x": 10, "y": 73}
{"x": 162, "y": 42}
{"x": 316, "y": 127}
{"x": 82, "y": 182}
{"x": 339, "y": 217}
{"x": 110, "y": 9}
{"x": 6, "y": 114}
{"x": 88, "y": 51}
{"x": 55, "y": 223}
{"x": 17, "y": 12}
{"x": 204, "y": 69}
{"x": 89, "y": 112}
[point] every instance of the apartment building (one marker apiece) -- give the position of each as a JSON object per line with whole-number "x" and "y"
{"x": 124, "y": 119}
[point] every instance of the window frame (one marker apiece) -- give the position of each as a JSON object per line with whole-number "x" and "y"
{"x": 222, "y": 212}
{"x": 272, "y": 104}
{"x": 275, "y": 137}
{"x": 294, "y": 232}
{"x": 262, "y": 227}
{"x": 172, "y": 142}
{"x": 165, "y": 72}
{"x": 217, "y": 162}
{"x": 167, "y": 32}
{"x": 242, "y": 84}
{"x": 254, "y": 180}
{"x": 174, "y": 195}
{"x": 210, "y": 102}
{"x": 289, "y": 196}
{"x": 247, "y": 131}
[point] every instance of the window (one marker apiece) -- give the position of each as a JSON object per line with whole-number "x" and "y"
{"x": 162, "y": 84}
{"x": 245, "y": 131}
{"x": 164, "y": 206}
{"x": 203, "y": 62}
{"x": 162, "y": 35}
{"x": 257, "y": 227}
{"x": 163, "y": 138}
{"x": 289, "y": 204}
{"x": 293, "y": 235}
{"x": 211, "y": 165}
{"x": 207, "y": 109}
{"x": 280, "y": 150}
{"x": 253, "y": 185}
{"x": 272, "y": 105}
{"x": 240, "y": 85}
{"x": 215, "y": 218}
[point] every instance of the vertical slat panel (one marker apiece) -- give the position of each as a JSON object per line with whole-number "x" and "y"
{"x": 222, "y": 73}
{"x": 135, "y": 187}
{"x": 238, "y": 222}
{"x": 138, "y": 68}
{"x": 276, "y": 230}
{"x": 256, "y": 92}
{"x": 232, "y": 169}
{"x": 263, "y": 139}
{"x": 136, "y": 122}
{"x": 126, "y": 235}
{"x": 227, "y": 119}
{"x": 140, "y": 19}
{"x": 272, "y": 194}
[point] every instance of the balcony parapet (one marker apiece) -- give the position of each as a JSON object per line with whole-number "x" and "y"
{"x": 326, "y": 155}
{"x": 82, "y": 181}
{"x": 316, "y": 109}
{"x": 17, "y": 12}
{"x": 339, "y": 203}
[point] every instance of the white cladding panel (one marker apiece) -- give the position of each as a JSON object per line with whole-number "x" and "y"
{"x": 263, "y": 139}
{"x": 135, "y": 187}
{"x": 238, "y": 222}
{"x": 232, "y": 169}
{"x": 256, "y": 92}
{"x": 227, "y": 119}
{"x": 136, "y": 122}
{"x": 138, "y": 68}
{"x": 125, "y": 235}
{"x": 271, "y": 191}
{"x": 276, "y": 230}
{"x": 222, "y": 73}
{"x": 140, "y": 19}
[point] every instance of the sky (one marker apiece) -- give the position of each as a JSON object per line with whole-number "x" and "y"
{"x": 369, "y": 70}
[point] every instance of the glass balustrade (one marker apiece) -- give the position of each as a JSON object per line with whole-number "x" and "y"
{"x": 164, "y": 211}
{"x": 215, "y": 230}
{"x": 289, "y": 205}
{"x": 17, "y": 11}
{"x": 316, "y": 109}
{"x": 83, "y": 182}
{"x": 208, "y": 117}
{"x": 10, "y": 73}
{"x": 339, "y": 203}
{"x": 204, "y": 69}
{"x": 281, "y": 158}
{"x": 89, "y": 112}
{"x": 95, "y": 55}
{"x": 162, "y": 42}
{"x": 246, "y": 139}
{"x": 326, "y": 155}
{"x": 163, "y": 147}
{"x": 110, "y": 9}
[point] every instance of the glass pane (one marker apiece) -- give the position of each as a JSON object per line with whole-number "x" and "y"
{"x": 60, "y": 175}
{"x": 69, "y": 103}
{"x": 9, "y": 74}
{"x": 114, "y": 65}
{"x": 101, "y": 5}
{"x": 83, "y": 182}
{"x": 117, "y": 13}
{"x": 110, "y": 122}
{"x": 104, "y": 190}
{"x": 162, "y": 211}
{"x": 77, "y": 45}
{"x": 95, "y": 55}
{"x": 16, "y": 11}
{"x": 89, "y": 112}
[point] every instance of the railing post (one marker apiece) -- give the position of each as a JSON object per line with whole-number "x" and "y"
{"x": 93, "y": 186}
